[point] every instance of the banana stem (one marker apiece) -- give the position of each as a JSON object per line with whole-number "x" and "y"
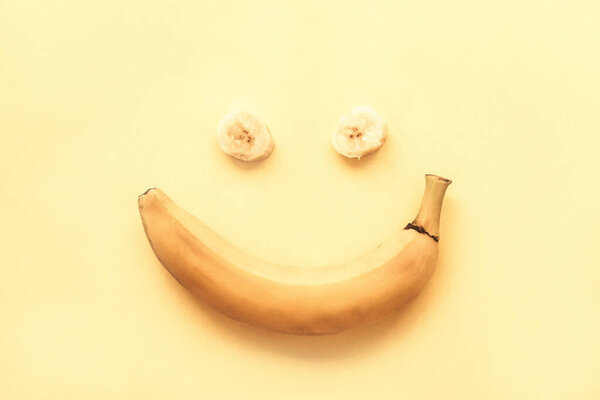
{"x": 427, "y": 220}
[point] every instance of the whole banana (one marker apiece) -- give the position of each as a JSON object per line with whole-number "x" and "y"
{"x": 290, "y": 299}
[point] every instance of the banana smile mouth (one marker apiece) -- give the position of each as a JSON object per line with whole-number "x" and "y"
{"x": 293, "y": 299}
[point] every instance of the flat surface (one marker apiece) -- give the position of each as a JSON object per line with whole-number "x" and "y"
{"x": 101, "y": 100}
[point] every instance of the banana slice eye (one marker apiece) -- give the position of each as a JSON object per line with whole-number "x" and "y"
{"x": 359, "y": 133}
{"x": 244, "y": 136}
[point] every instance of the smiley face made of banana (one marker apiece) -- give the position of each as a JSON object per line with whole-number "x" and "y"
{"x": 295, "y": 299}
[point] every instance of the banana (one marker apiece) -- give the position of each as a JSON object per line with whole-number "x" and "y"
{"x": 244, "y": 136}
{"x": 359, "y": 133}
{"x": 291, "y": 299}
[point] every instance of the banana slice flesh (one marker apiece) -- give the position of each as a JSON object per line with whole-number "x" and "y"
{"x": 359, "y": 133}
{"x": 244, "y": 136}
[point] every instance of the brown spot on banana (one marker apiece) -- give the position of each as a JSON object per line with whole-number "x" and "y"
{"x": 420, "y": 229}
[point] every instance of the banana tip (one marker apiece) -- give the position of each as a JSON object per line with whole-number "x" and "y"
{"x": 145, "y": 193}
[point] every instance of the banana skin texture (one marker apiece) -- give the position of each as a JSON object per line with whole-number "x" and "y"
{"x": 292, "y": 299}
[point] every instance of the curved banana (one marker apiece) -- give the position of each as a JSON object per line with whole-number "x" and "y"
{"x": 288, "y": 299}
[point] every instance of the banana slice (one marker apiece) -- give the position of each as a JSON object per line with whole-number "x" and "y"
{"x": 244, "y": 136}
{"x": 359, "y": 133}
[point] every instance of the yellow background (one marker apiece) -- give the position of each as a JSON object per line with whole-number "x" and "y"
{"x": 101, "y": 100}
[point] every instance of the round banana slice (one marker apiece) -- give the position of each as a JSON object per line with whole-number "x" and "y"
{"x": 244, "y": 136}
{"x": 359, "y": 133}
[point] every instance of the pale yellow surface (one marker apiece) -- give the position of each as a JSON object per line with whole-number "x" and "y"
{"x": 101, "y": 100}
